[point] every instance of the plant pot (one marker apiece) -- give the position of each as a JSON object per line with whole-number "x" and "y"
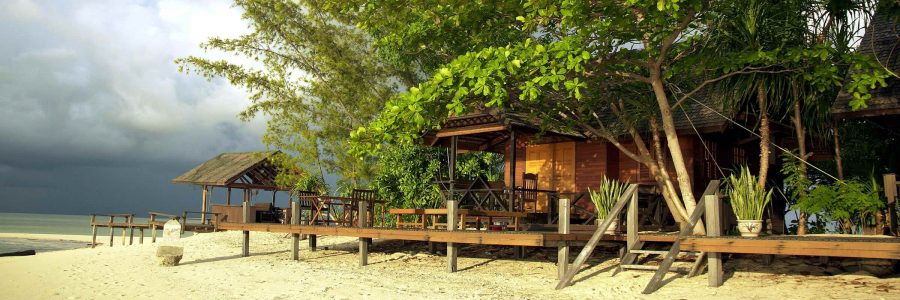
{"x": 749, "y": 228}
{"x": 613, "y": 227}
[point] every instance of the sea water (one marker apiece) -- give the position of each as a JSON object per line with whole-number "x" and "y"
{"x": 51, "y": 224}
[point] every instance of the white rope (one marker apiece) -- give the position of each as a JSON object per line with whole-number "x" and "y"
{"x": 770, "y": 142}
{"x": 712, "y": 157}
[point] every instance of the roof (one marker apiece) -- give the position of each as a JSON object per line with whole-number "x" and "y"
{"x": 249, "y": 168}
{"x": 882, "y": 39}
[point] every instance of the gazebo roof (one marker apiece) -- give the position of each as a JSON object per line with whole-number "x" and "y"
{"x": 234, "y": 169}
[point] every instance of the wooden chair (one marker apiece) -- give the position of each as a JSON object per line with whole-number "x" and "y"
{"x": 529, "y": 193}
{"x": 363, "y": 195}
{"x": 306, "y": 203}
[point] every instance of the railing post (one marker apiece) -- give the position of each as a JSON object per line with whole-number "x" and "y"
{"x": 295, "y": 220}
{"x": 562, "y": 258}
{"x": 631, "y": 230}
{"x": 890, "y": 192}
{"x": 93, "y": 231}
{"x": 714, "y": 229}
{"x": 111, "y": 231}
{"x": 363, "y": 222}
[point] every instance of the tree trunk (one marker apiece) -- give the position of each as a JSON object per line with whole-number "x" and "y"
{"x": 664, "y": 175}
{"x": 684, "y": 178}
{"x": 801, "y": 170}
{"x": 765, "y": 136}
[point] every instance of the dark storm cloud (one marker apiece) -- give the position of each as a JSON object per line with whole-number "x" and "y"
{"x": 94, "y": 115}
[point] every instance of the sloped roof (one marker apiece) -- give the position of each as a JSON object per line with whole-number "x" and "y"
{"x": 226, "y": 168}
{"x": 882, "y": 39}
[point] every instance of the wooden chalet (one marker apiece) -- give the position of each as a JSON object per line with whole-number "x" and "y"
{"x": 249, "y": 172}
{"x": 569, "y": 163}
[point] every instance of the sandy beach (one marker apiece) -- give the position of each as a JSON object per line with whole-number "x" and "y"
{"x": 213, "y": 269}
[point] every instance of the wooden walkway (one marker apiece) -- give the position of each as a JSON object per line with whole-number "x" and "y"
{"x": 857, "y": 247}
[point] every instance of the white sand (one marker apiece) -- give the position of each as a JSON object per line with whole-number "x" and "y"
{"x": 212, "y": 269}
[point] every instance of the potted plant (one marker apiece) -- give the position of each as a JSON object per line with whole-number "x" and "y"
{"x": 748, "y": 200}
{"x": 605, "y": 198}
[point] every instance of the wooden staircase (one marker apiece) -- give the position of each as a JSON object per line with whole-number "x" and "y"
{"x": 634, "y": 247}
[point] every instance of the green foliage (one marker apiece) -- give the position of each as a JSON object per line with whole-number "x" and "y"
{"x": 314, "y": 76}
{"x": 606, "y": 196}
{"x": 748, "y": 199}
{"x": 473, "y": 164}
{"x": 290, "y": 174}
{"x": 406, "y": 175}
{"x": 845, "y": 201}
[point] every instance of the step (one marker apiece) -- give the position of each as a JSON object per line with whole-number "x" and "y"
{"x": 658, "y": 252}
{"x": 639, "y": 267}
{"x": 650, "y": 268}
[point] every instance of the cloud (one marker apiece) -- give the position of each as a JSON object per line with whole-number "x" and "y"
{"x": 88, "y": 87}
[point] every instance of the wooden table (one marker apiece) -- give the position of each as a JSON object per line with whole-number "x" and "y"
{"x": 463, "y": 213}
{"x": 400, "y": 212}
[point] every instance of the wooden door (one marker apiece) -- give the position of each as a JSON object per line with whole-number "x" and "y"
{"x": 555, "y": 166}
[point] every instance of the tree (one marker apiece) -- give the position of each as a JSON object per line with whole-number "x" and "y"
{"x": 588, "y": 66}
{"x": 317, "y": 78}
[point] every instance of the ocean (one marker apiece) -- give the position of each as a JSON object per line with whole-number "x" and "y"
{"x": 49, "y": 224}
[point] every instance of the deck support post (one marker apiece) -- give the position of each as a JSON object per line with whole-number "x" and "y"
{"x": 714, "y": 229}
{"x": 452, "y": 249}
{"x": 312, "y": 242}
{"x": 245, "y": 250}
{"x": 562, "y": 257}
{"x": 295, "y": 220}
{"x": 363, "y": 222}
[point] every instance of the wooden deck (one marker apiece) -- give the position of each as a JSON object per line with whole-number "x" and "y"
{"x": 858, "y": 247}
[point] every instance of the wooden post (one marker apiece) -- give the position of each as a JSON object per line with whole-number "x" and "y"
{"x": 245, "y": 251}
{"x": 228, "y": 197}
{"x": 631, "y": 230}
{"x": 141, "y": 241}
{"x": 512, "y": 170}
{"x": 713, "y": 229}
{"x": 295, "y": 220}
{"x": 452, "y": 249}
{"x": 363, "y": 221}
{"x": 93, "y": 231}
{"x": 890, "y": 192}
{"x": 124, "y": 232}
{"x": 452, "y": 205}
{"x": 562, "y": 257}
{"x": 152, "y": 228}
{"x": 131, "y": 230}
{"x": 111, "y": 231}
{"x": 204, "y": 205}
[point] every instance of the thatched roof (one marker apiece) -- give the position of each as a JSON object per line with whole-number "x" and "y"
{"x": 248, "y": 169}
{"x": 882, "y": 39}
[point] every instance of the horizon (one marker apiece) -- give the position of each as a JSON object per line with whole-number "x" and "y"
{"x": 96, "y": 117}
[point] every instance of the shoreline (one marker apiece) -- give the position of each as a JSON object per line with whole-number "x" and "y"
{"x": 47, "y": 237}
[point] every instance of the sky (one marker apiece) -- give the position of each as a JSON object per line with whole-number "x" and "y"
{"x": 95, "y": 116}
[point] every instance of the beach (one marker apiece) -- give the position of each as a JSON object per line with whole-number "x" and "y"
{"x": 212, "y": 268}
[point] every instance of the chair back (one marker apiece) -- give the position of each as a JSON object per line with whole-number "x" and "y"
{"x": 530, "y": 186}
{"x": 364, "y": 195}
{"x": 305, "y": 202}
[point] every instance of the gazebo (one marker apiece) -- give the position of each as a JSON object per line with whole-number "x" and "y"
{"x": 246, "y": 171}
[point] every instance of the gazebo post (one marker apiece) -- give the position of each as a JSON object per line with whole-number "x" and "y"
{"x": 512, "y": 169}
{"x": 452, "y": 206}
{"x": 228, "y": 197}
{"x": 245, "y": 251}
{"x": 204, "y": 205}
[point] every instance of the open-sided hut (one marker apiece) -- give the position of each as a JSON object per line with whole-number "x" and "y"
{"x": 249, "y": 172}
